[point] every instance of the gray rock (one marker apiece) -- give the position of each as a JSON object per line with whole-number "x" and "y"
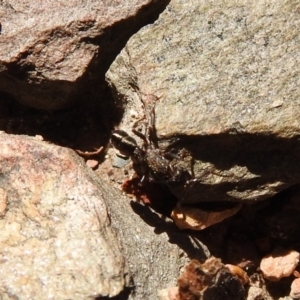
{"x": 56, "y": 240}
{"x": 226, "y": 78}
{"x": 154, "y": 249}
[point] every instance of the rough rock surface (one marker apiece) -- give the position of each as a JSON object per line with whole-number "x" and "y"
{"x": 226, "y": 78}
{"x": 50, "y": 52}
{"x": 257, "y": 289}
{"x": 56, "y": 242}
{"x": 154, "y": 249}
{"x": 210, "y": 280}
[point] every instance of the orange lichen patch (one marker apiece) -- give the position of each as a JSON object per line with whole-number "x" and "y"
{"x": 239, "y": 273}
{"x": 198, "y": 219}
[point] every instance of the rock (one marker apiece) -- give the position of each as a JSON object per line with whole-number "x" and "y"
{"x": 92, "y": 163}
{"x": 256, "y": 293}
{"x": 258, "y": 289}
{"x": 225, "y": 86}
{"x": 295, "y": 289}
{"x": 168, "y": 294}
{"x": 55, "y": 230}
{"x": 199, "y": 219}
{"x": 56, "y": 240}
{"x": 3, "y": 202}
{"x": 154, "y": 249}
{"x": 210, "y": 280}
{"x": 279, "y": 264}
{"x": 200, "y": 280}
{"x": 55, "y": 54}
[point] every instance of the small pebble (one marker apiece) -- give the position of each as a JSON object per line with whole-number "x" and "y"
{"x": 295, "y": 289}
{"x": 92, "y": 163}
{"x": 279, "y": 264}
{"x": 120, "y": 162}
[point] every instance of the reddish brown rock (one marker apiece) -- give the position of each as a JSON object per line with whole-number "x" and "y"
{"x": 56, "y": 241}
{"x": 55, "y": 231}
{"x": 210, "y": 280}
{"x": 51, "y": 53}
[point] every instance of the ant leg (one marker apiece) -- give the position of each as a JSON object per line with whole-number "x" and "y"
{"x": 149, "y": 106}
{"x": 148, "y": 136}
{"x": 151, "y": 126}
{"x": 137, "y": 132}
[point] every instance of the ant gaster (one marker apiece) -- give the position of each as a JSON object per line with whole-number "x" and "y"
{"x": 149, "y": 162}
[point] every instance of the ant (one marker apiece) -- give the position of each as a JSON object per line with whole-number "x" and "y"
{"x": 150, "y": 163}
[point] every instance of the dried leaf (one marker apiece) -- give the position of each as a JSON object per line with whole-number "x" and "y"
{"x": 197, "y": 219}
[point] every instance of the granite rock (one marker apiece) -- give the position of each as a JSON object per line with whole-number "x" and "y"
{"x": 56, "y": 240}
{"x": 226, "y": 78}
{"x": 68, "y": 234}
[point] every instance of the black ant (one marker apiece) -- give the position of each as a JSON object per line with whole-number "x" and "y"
{"x": 150, "y": 163}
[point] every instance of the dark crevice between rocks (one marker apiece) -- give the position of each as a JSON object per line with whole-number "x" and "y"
{"x": 259, "y": 227}
{"x": 255, "y": 231}
{"x": 185, "y": 240}
{"x": 274, "y": 161}
{"x": 87, "y": 121}
{"x": 272, "y": 219}
{"x": 261, "y": 154}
